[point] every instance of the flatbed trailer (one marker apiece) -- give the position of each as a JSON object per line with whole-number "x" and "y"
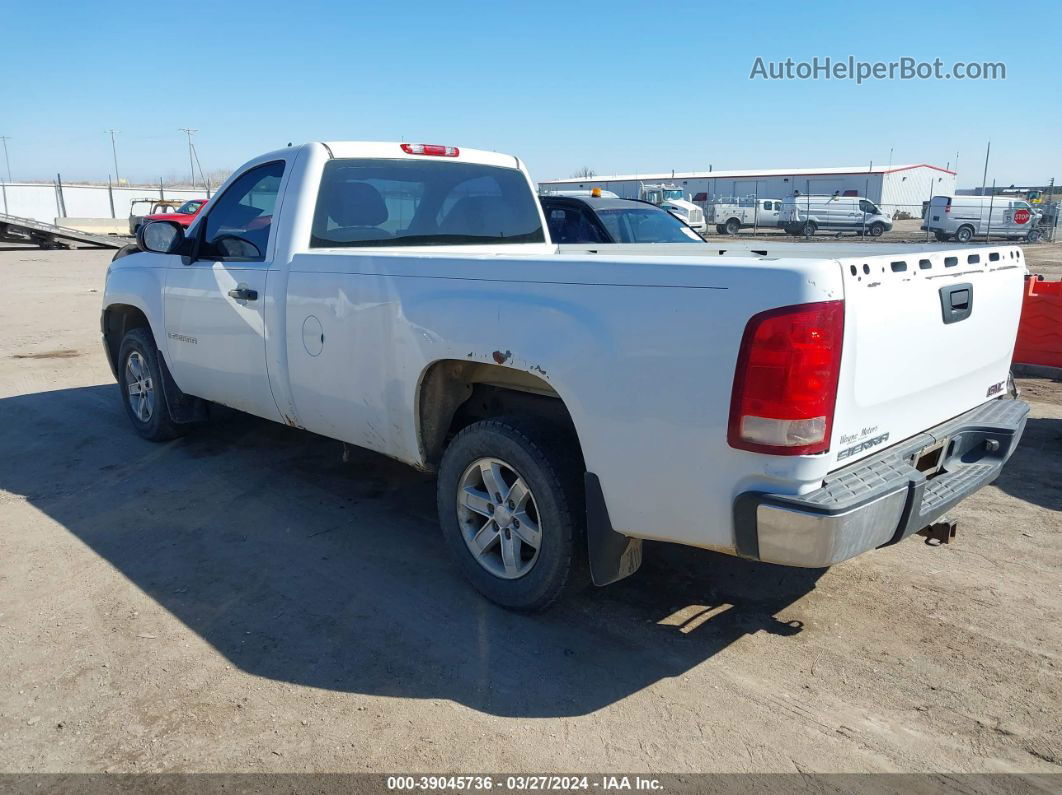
{"x": 14, "y": 229}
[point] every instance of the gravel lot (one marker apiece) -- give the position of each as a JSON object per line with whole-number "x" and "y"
{"x": 241, "y": 599}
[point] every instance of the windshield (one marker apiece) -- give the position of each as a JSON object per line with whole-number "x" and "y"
{"x": 190, "y": 206}
{"x": 673, "y": 194}
{"x": 423, "y": 203}
{"x": 646, "y": 225}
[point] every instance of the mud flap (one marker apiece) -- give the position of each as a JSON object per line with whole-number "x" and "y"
{"x": 613, "y": 556}
{"x": 182, "y": 408}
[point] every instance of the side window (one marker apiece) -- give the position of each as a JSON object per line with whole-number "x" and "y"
{"x": 555, "y": 221}
{"x": 243, "y": 214}
{"x": 867, "y": 207}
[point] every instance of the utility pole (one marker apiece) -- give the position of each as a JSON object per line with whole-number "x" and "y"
{"x": 984, "y": 178}
{"x": 114, "y": 151}
{"x": 191, "y": 168}
{"x": 5, "y": 139}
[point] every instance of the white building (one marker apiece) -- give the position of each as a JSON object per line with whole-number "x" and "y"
{"x": 893, "y": 188}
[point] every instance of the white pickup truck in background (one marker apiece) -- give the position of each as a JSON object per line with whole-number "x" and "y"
{"x": 407, "y": 298}
{"x": 731, "y": 215}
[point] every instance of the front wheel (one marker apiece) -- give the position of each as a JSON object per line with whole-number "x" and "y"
{"x": 140, "y": 380}
{"x": 809, "y": 229}
{"x": 877, "y": 230}
{"x": 511, "y": 509}
{"x": 1034, "y": 236}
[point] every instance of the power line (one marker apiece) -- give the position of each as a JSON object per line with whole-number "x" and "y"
{"x": 114, "y": 151}
{"x": 191, "y": 167}
{"x": 5, "y": 139}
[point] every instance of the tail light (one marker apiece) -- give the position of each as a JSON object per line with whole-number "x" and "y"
{"x": 947, "y": 207}
{"x": 785, "y": 385}
{"x": 431, "y": 149}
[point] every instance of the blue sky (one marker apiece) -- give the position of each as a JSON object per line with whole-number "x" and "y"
{"x": 616, "y": 86}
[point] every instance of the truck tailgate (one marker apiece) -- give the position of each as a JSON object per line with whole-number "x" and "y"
{"x": 927, "y": 337}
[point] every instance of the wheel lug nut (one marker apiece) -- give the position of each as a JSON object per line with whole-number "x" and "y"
{"x": 511, "y": 505}
{"x": 516, "y": 522}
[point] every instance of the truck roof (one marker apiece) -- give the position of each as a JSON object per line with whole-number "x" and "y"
{"x": 394, "y": 150}
{"x": 599, "y": 203}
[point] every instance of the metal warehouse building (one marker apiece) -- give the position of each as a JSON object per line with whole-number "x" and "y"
{"x": 893, "y": 188}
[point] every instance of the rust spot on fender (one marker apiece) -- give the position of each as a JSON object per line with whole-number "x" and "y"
{"x": 502, "y": 358}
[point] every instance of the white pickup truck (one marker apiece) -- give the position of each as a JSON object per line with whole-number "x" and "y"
{"x": 406, "y": 298}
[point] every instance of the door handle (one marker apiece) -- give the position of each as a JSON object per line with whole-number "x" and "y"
{"x": 243, "y": 294}
{"x": 956, "y": 302}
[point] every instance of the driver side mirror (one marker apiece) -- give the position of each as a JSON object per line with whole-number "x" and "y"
{"x": 161, "y": 237}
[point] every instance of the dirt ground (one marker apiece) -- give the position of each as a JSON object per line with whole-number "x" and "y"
{"x": 242, "y": 600}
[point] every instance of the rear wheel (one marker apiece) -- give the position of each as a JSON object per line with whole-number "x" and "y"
{"x": 511, "y": 510}
{"x": 964, "y": 234}
{"x": 720, "y": 229}
{"x": 140, "y": 380}
{"x": 733, "y": 226}
{"x": 941, "y": 237}
{"x": 809, "y": 228}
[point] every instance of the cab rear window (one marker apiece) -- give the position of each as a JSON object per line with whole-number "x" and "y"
{"x": 377, "y": 202}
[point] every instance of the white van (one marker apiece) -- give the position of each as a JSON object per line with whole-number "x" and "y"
{"x": 963, "y": 217}
{"x": 805, "y": 215}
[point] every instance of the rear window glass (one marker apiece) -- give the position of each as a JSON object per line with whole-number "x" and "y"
{"x": 430, "y": 203}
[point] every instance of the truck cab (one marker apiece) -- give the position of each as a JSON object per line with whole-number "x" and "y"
{"x": 675, "y": 200}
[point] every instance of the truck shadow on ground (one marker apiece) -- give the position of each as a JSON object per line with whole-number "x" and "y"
{"x": 1035, "y": 470}
{"x": 302, "y": 568}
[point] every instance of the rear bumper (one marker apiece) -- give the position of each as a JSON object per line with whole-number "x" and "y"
{"x": 882, "y": 499}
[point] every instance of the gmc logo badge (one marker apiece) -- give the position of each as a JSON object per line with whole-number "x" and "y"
{"x": 995, "y": 389}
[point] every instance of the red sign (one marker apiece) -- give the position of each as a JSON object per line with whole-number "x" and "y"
{"x": 1021, "y": 216}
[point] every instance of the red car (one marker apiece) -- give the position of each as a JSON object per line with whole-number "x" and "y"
{"x": 183, "y": 215}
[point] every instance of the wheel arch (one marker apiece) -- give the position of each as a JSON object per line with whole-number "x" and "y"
{"x": 452, "y": 393}
{"x": 117, "y": 320}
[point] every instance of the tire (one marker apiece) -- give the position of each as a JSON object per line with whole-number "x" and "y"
{"x": 733, "y": 226}
{"x": 720, "y": 229}
{"x": 964, "y": 234}
{"x": 548, "y": 464}
{"x": 139, "y": 374}
{"x": 876, "y": 230}
{"x": 942, "y": 237}
{"x": 809, "y": 229}
{"x": 1034, "y": 236}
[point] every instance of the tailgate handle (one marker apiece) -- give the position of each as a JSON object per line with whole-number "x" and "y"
{"x": 956, "y": 302}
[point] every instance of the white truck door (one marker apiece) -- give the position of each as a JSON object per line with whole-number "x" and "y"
{"x": 214, "y": 303}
